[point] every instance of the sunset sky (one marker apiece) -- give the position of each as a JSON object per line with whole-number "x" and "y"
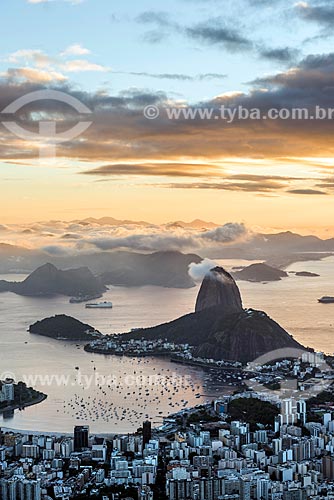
{"x": 117, "y": 58}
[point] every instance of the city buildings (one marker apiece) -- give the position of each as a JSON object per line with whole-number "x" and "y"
{"x": 186, "y": 458}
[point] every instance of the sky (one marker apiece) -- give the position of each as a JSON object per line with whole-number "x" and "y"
{"x": 120, "y": 59}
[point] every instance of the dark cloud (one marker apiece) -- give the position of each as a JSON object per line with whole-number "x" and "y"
{"x": 154, "y": 169}
{"x": 237, "y": 182}
{"x": 211, "y": 76}
{"x": 264, "y": 178}
{"x": 159, "y": 18}
{"x": 322, "y": 14}
{"x": 139, "y": 98}
{"x": 327, "y": 183}
{"x": 165, "y": 76}
{"x": 250, "y": 187}
{"x": 307, "y": 191}
{"x": 284, "y": 55}
{"x": 154, "y": 36}
{"x": 213, "y": 31}
{"x": 176, "y": 76}
{"x": 216, "y": 32}
{"x": 313, "y": 77}
{"x": 163, "y": 23}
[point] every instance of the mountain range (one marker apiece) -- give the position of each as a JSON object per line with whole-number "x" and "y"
{"x": 111, "y": 221}
{"x": 167, "y": 269}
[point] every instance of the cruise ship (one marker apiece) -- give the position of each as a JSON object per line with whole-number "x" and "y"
{"x": 99, "y": 305}
{"x": 326, "y": 300}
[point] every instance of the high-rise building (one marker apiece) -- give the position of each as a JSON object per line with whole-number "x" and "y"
{"x": 18, "y": 488}
{"x": 288, "y": 411}
{"x": 147, "y": 432}
{"x": 81, "y": 437}
{"x": 245, "y": 489}
{"x": 328, "y": 467}
{"x": 7, "y": 390}
{"x": 262, "y": 489}
{"x": 301, "y": 411}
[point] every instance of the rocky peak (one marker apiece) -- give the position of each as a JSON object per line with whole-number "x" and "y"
{"x": 219, "y": 289}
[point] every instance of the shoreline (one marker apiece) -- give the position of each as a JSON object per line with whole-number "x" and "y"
{"x": 39, "y": 399}
{"x": 127, "y": 354}
{"x": 56, "y": 433}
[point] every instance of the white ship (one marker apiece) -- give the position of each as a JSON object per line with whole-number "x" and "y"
{"x": 99, "y": 305}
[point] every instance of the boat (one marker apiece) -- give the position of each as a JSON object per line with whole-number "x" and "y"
{"x": 326, "y": 300}
{"x": 99, "y": 305}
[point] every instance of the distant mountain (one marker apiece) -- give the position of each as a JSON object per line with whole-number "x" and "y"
{"x": 278, "y": 249}
{"x": 295, "y": 242}
{"x": 259, "y": 272}
{"x": 64, "y": 327}
{"x": 168, "y": 269}
{"x": 18, "y": 259}
{"x": 110, "y": 221}
{"x": 195, "y": 224}
{"x": 220, "y": 328}
{"x": 48, "y": 280}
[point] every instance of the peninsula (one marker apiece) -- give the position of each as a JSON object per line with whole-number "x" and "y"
{"x": 20, "y": 396}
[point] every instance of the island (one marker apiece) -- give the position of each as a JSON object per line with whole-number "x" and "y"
{"x": 19, "y": 396}
{"x": 259, "y": 272}
{"x": 63, "y": 327}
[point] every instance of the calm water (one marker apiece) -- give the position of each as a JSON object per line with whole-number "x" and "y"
{"x": 130, "y": 391}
